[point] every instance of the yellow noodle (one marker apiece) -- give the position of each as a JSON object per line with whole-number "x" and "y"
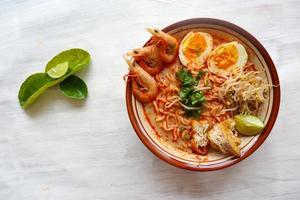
{"x": 160, "y": 118}
{"x": 170, "y": 115}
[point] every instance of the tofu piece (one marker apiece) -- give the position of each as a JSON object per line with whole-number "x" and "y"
{"x": 221, "y": 137}
{"x": 199, "y": 139}
{"x": 200, "y": 128}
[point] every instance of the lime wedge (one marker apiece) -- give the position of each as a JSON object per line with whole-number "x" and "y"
{"x": 59, "y": 70}
{"x": 248, "y": 124}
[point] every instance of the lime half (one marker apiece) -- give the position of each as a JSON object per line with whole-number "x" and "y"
{"x": 59, "y": 70}
{"x": 248, "y": 124}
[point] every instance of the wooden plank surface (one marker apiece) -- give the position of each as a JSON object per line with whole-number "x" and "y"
{"x": 65, "y": 149}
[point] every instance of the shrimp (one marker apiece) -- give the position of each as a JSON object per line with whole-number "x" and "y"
{"x": 148, "y": 58}
{"x": 167, "y": 44}
{"x": 144, "y": 86}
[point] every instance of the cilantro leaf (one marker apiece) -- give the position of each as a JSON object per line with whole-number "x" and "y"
{"x": 199, "y": 75}
{"x": 185, "y": 77}
{"x": 184, "y": 92}
{"x": 197, "y": 98}
{"x": 189, "y": 96}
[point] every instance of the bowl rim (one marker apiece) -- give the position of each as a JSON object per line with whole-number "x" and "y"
{"x": 263, "y": 135}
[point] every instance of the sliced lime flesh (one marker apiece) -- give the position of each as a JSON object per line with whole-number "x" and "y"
{"x": 58, "y": 71}
{"x": 248, "y": 124}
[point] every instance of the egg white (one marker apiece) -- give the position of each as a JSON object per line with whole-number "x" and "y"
{"x": 238, "y": 65}
{"x": 200, "y": 60}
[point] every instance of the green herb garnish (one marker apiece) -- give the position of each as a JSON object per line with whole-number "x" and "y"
{"x": 186, "y": 78}
{"x": 199, "y": 75}
{"x": 189, "y": 96}
{"x": 197, "y": 98}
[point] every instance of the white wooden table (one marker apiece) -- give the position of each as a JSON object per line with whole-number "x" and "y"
{"x": 65, "y": 149}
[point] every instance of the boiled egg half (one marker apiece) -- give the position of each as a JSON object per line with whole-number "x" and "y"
{"x": 195, "y": 48}
{"x": 227, "y": 58}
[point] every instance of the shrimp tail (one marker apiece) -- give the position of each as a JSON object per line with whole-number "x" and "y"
{"x": 144, "y": 86}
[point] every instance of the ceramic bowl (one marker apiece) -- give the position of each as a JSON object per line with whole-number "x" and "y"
{"x": 268, "y": 112}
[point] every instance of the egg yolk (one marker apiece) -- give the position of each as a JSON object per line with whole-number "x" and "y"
{"x": 226, "y": 56}
{"x": 194, "y": 45}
